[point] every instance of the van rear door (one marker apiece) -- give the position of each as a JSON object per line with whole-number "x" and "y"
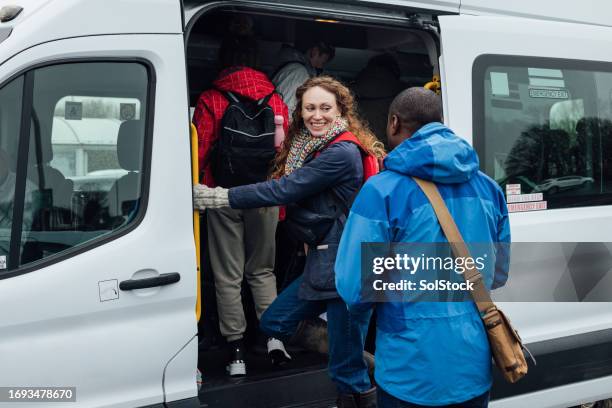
{"x": 534, "y": 98}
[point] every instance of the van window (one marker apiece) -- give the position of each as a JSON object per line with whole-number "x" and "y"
{"x": 545, "y": 125}
{"x": 85, "y": 149}
{"x": 85, "y": 157}
{"x": 10, "y": 117}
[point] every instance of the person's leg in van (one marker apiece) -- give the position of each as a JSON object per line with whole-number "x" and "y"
{"x": 284, "y": 318}
{"x": 386, "y": 400}
{"x": 259, "y": 245}
{"x": 226, "y": 248}
{"x": 347, "y": 367}
{"x": 260, "y": 251}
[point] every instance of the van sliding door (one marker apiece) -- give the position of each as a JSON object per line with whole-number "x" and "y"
{"x": 534, "y": 98}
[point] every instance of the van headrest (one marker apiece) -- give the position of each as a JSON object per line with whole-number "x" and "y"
{"x": 130, "y": 145}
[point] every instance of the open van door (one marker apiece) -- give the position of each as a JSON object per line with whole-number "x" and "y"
{"x": 534, "y": 98}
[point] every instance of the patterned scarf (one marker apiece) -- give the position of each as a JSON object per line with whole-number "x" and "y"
{"x": 304, "y": 144}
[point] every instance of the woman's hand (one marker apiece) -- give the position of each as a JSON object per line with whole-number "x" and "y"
{"x": 207, "y": 197}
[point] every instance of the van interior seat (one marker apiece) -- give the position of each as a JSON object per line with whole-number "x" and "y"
{"x": 124, "y": 195}
{"x": 54, "y": 188}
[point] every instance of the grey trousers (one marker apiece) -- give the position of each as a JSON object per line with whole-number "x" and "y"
{"x": 242, "y": 244}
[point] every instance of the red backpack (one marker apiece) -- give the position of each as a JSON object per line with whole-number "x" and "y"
{"x": 368, "y": 160}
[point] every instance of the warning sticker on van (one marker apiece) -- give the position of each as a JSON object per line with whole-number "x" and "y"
{"x": 520, "y": 207}
{"x": 73, "y": 111}
{"x": 512, "y": 189}
{"x": 523, "y": 198}
{"x": 3, "y": 262}
{"x": 548, "y": 93}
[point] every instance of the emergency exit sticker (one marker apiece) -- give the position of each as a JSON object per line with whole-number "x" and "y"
{"x": 3, "y": 262}
{"x": 520, "y": 207}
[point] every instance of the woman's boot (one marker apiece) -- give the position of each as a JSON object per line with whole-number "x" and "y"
{"x": 365, "y": 399}
{"x": 312, "y": 335}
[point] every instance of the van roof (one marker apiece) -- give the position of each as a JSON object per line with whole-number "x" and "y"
{"x": 48, "y": 20}
{"x": 597, "y": 12}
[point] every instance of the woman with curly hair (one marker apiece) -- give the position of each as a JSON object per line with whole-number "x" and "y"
{"x": 317, "y": 173}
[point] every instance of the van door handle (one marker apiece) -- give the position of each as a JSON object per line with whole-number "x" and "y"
{"x": 161, "y": 280}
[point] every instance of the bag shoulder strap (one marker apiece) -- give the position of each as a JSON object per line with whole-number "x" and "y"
{"x": 480, "y": 294}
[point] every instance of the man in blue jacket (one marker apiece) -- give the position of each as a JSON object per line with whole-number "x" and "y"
{"x": 427, "y": 353}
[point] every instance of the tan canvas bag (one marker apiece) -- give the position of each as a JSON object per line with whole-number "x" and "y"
{"x": 505, "y": 342}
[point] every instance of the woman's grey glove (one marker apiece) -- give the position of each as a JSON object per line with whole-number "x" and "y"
{"x": 207, "y": 197}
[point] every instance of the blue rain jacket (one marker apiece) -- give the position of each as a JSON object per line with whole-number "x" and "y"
{"x": 427, "y": 353}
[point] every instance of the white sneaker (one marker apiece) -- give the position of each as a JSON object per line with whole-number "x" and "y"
{"x": 277, "y": 352}
{"x": 236, "y": 368}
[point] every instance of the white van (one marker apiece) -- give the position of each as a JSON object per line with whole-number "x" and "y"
{"x": 100, "y": 287}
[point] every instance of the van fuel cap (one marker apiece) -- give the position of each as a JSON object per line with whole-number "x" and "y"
{"x": 7, "y": 13}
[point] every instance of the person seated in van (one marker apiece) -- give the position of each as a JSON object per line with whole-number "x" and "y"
{"x": 296, "y": 66}
{"x": 318, "y": 170}
{"x": 375, "y": 87}
{"x": 235, "y": 125}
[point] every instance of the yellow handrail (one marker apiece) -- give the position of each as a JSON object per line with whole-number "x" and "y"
{"x": 435, "y": 85}
{"x": 196, "y": 217}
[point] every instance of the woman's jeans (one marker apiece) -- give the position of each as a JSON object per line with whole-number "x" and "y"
{"x": 346, "y": 331}
{"x": 386, "y": 400}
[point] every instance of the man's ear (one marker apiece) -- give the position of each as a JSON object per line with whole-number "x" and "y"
{"x": 394, "y": 124}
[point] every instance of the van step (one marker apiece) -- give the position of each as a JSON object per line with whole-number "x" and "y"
{"x": 307, "y": 389}
{"x": 301, "y": 383}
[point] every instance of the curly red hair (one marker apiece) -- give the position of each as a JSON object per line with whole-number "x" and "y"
{"x": 346, "y": 105}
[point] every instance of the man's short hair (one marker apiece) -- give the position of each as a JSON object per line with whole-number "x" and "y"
{"x": 416, "y": 107}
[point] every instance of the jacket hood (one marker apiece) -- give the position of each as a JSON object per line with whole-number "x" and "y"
{"x": 289, "y": 54}
{"x": 245, "y": 81}
{"x": 434, "y": 153}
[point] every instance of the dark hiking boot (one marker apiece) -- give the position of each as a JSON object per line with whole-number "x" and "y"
{"x": 365, "y": 399}
{"x": 312, "y": 335}
{"x": 346, "y": 401}
{"x": 369, "y": 359}
{"x": 236, "y": 366}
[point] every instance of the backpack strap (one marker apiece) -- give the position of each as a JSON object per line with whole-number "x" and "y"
{"x": 231, "y": 98}
{"x": 236, "y": 98}
{"x": 480, "y": 294}
{"x": 370, "y": 168}
{"x": 266, "y": 99}
{"x": 369, "y": 161}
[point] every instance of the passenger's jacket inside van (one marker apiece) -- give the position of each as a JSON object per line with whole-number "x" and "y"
{"x": 427, "y": 353}
{"x": 338, "y": 167}
{"x": 212, "y": 103}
